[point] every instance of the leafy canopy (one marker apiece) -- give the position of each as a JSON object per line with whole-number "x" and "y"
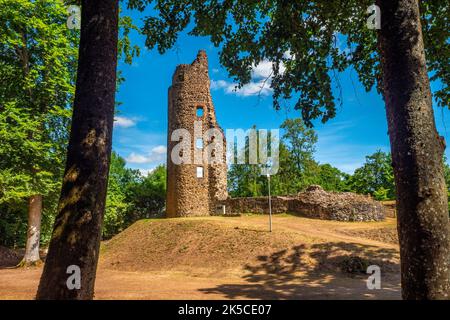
{"x": 38, "y": 56}
{"x": 308, "y": 42}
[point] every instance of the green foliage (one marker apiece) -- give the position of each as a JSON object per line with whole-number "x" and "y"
{"x": 332, "y": 179}
{"x": 436, "y": 34}
{"x": 121, "y": 179}
{"x": 148, "y": 197}
{"x": 132, "y": 197}
{"x": 375, "y": 177}
{"x": 298, "y": 156}
{"x": 38, "y": 57}
{"x": 14, "y": 219}
{"x": 309, "y": 42}
{"x": 13, "y": 224}
{"x": 245, "y": 180}
{"x": 298, "y": 170}
{"x": 37, "y": 62}
{"x": 31, "y": 160}
{"x": 126, "y": 50}
{"x": 297, "y": 167}
{"x": 447, "y": 180}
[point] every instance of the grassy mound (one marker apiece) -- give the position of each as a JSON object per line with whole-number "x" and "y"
{"x": 212, "y": 245}
{"x": 191, "y": 243}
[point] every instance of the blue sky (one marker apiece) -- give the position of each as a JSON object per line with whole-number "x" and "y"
{"x": 358, "y": 130}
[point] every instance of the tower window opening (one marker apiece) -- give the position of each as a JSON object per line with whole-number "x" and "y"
{"x": 199, "y": 172}
{"x": 199, "y": 111}
{"x": 199, "y": 143}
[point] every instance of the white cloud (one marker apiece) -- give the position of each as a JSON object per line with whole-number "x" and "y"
{"x": 219, "y": 84}
{"x": 159, "y": 150}
{"x": 253, "y": 88}
{"x": 250, "y": 89}
{"x": 260, "y": 85}
{"x": 262, "y": 70}
{"x": 136, "y": 158}
{"x": 157, "y": 154}
{"x": 124, "y": 122}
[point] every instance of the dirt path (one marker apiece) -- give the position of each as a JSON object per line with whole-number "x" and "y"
{"x": 22, "y": 284}
{"x": 260, "y": 281}
{"x": 322, "y": 230}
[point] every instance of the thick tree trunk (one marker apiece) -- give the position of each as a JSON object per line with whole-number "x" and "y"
{"x": 417, "y": 151}
{"x": 77, "y": 230}
{"x": 34, "y": 231}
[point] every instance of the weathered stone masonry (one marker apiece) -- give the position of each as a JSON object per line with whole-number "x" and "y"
{"x": 190, "y": 101}
{"x": 313, "y": 203}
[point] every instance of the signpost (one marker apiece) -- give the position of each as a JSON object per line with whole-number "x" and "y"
{"x": 270, "y": 204}
{"x": 267, "y": 171}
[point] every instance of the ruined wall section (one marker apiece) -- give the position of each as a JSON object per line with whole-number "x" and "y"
{"x": 314, "y": 203}
{"x": 188, "y": 195}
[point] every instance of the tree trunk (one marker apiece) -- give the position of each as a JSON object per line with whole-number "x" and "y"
{"x": 417, "y": 154}
{"x": 77, "y": 230}
{"x": 32, "y": 257}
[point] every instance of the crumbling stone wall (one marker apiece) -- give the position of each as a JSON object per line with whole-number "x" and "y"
{"x": 342, "y": 206}
{"x": 188, "y": 195}
{"x": 258, "y": 205}
{"x": 390, "y": 208}
{"x": 314, "y": 203}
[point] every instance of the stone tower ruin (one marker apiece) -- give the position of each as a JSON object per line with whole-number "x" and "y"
{"x": 194, "y": 185}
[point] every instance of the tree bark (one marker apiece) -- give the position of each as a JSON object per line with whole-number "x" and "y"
{"x": 77, "y": 230}
{"x": 417, "y": 154}
{"x": 31, "y": 256}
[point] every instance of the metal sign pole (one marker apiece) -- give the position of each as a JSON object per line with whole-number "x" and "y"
{"x": 270, "y": 205}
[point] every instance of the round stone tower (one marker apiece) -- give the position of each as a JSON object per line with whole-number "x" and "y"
{"x": 194, "y": 184}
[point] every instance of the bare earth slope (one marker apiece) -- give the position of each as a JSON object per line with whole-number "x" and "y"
{"x": 236, "y": 257}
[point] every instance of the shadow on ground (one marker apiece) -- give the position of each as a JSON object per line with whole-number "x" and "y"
{"x": 318, "y": 271}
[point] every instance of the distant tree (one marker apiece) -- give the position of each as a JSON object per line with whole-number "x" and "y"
{"x": 38, "y": 58}
{"x": 283, "y": 183}
{"x": 300, "y": 141}
{"x": 131, "y": 196}
{"x": 118, "y": 200}
{"x": 244, "y": 180}
{"x": 13, "y": 224}
{"x": 35, "y": 109}
{"x": 375, "y": 177}
{"x": 332, "y": 179}
{"x": 301, "y": 167}
{"x": 447, "y": 180}
{"x": 147, "y": 198}
{"x": 297, "y": 167}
